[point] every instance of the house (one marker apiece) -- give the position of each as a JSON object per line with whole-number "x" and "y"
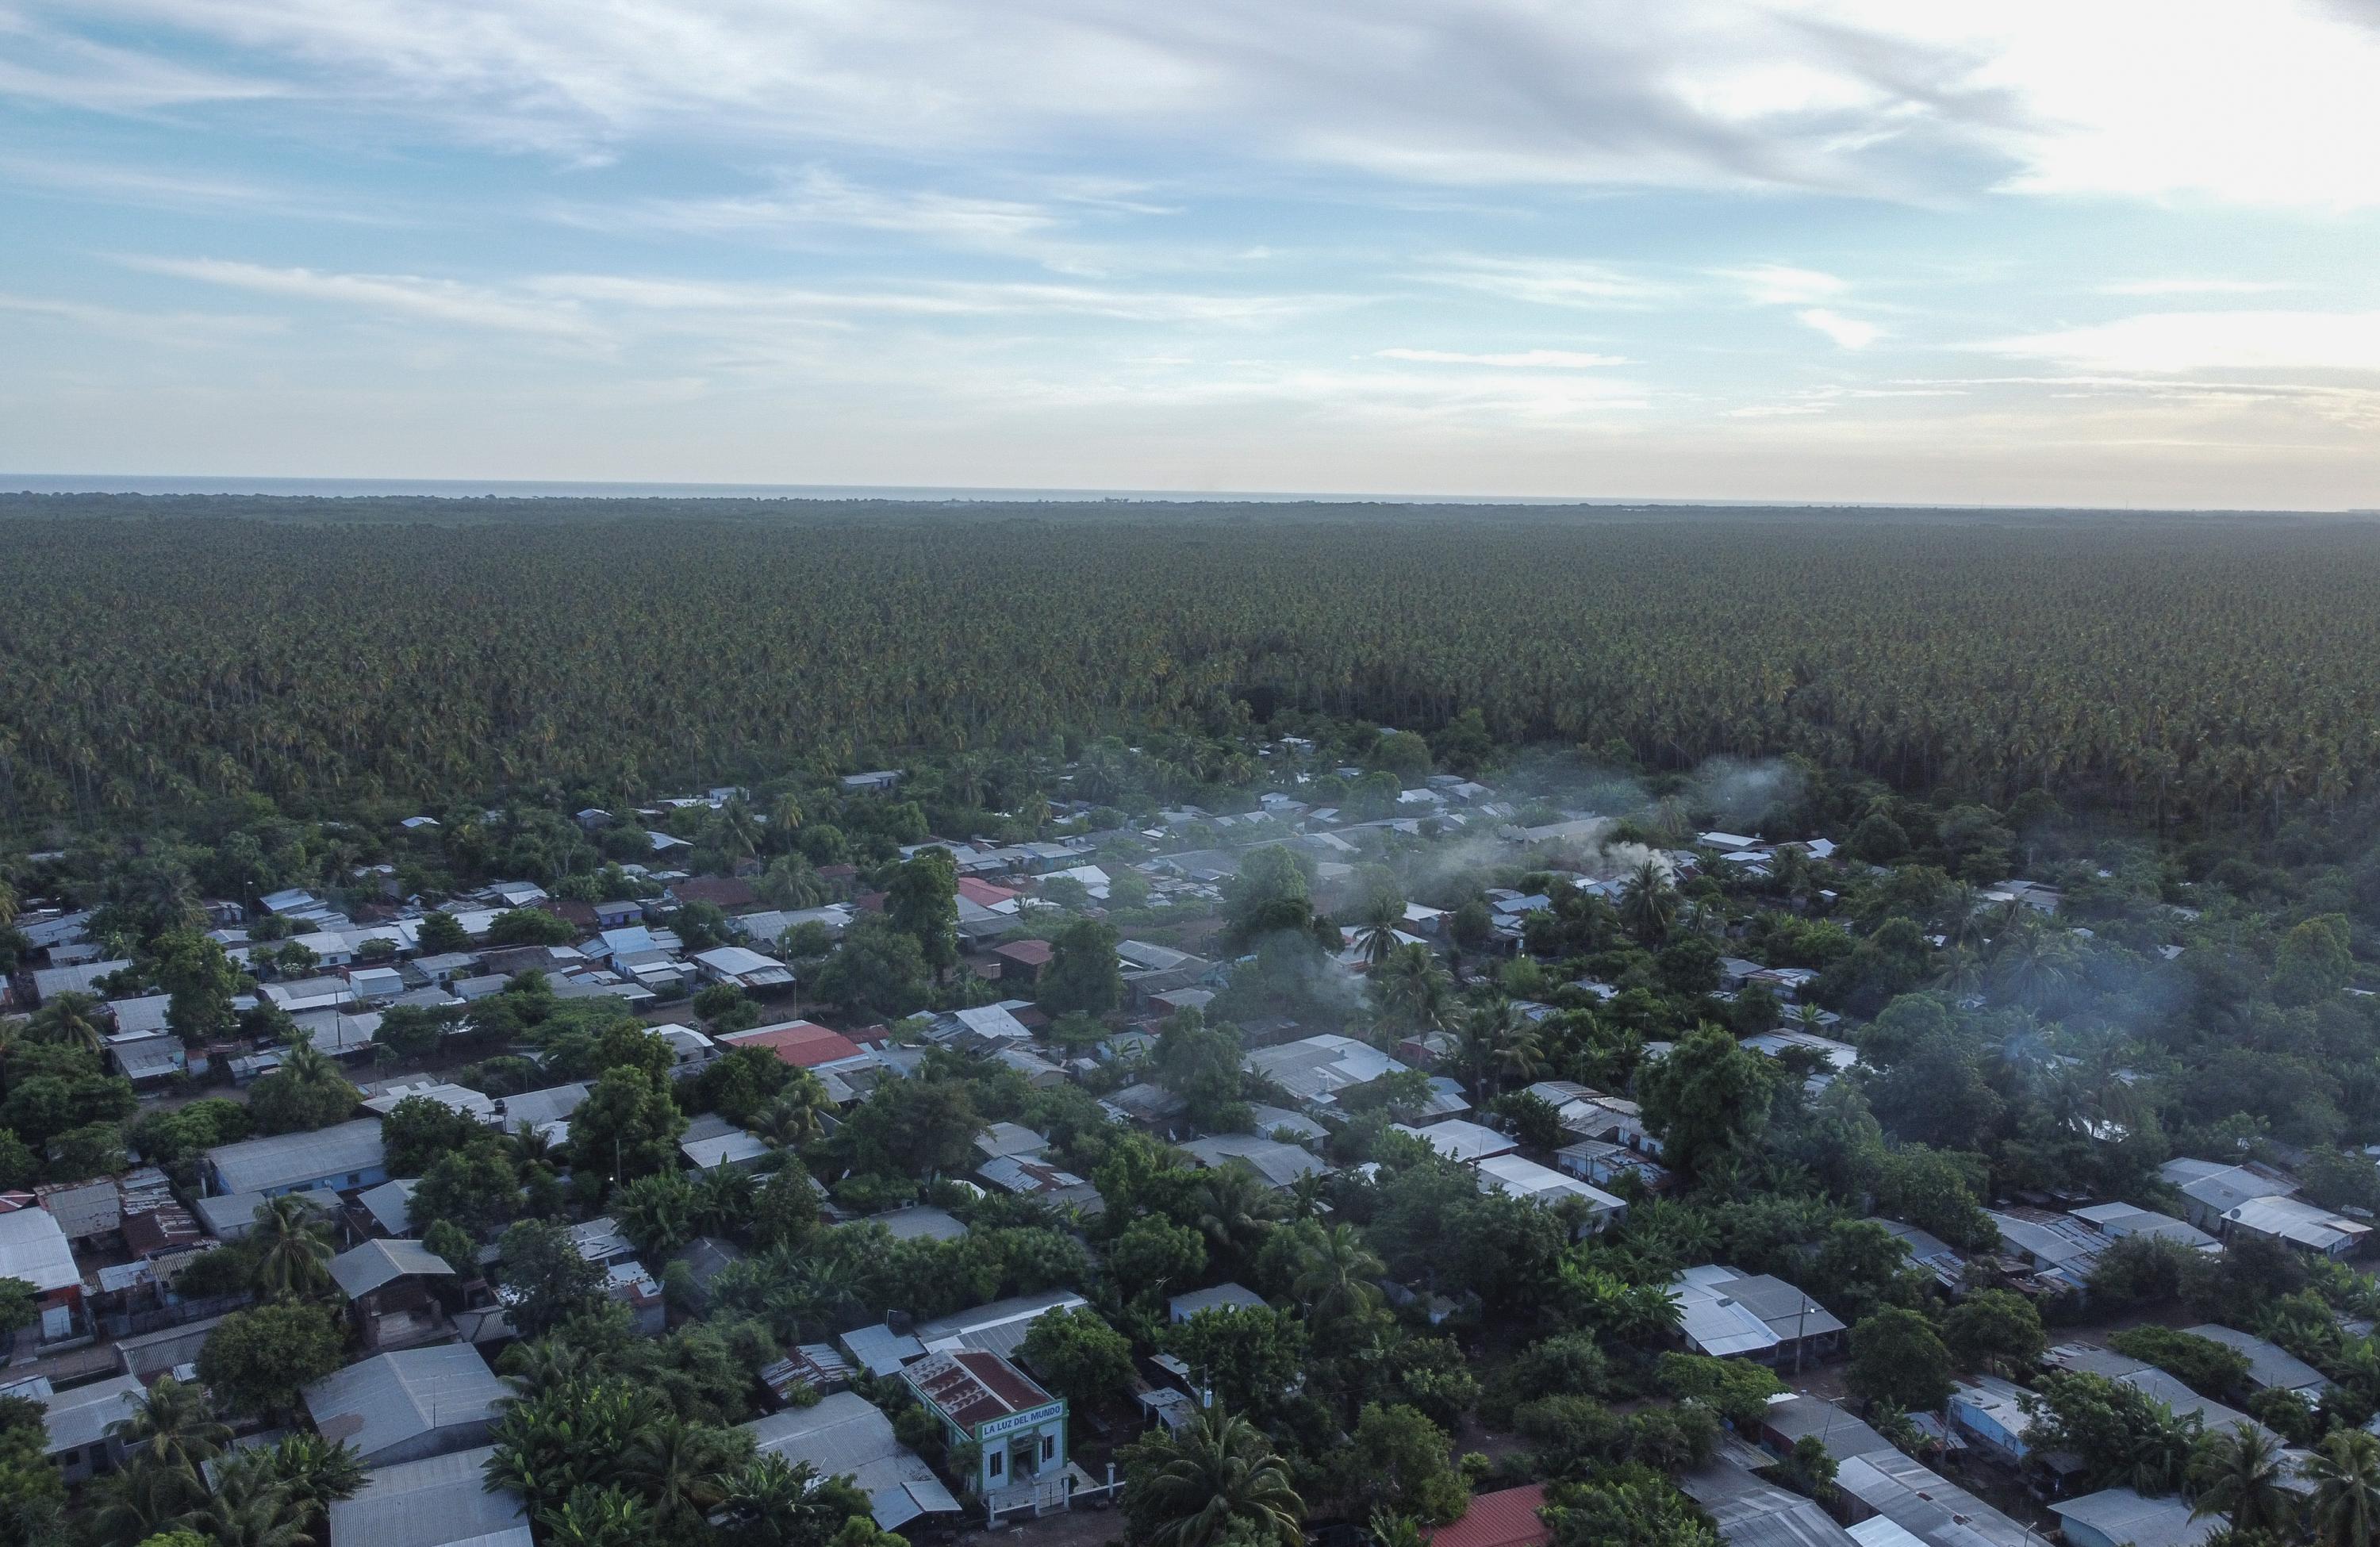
{"x": 2059, "y": 1248}
{"x": 409, "y": 1405}
{"x": 1037, "y": 1176}
{"x": 1018, "y": 1429}
{"x": 2121, "y": 1517}
{"x": 1279, "y": 1164}
{"x": 918, "y": 1222}
{"x": 1526, "y": 1179}
{"x": 1221, "y": 1296}
{"x": 2211, "y": 1188}
{"x": 712, "y": 1141}
{"x": 304, "y": 994}
{"x": 441, "y": 1502}
{"x": 1021, "y": 961}
{"x": 342, "y": 1157}
{"x": 147, "y": 1057}
{"x": 875, "y": 782}
{"x": 846, "y": 1435}
{"x": 745, "y": 968}
{"x": 1991, "y": 1412}
{"x": 998, "y": 1328}
{"x": 1750, "y": 1513}
{"x": 1278, "y": 1122}
{"x": 460, "y": 1100}
{"x": 981, "y": 1028}
{"x": 34, "y": 1248}
{"x": 232, "y": 1215}
{"x": 389, "y": 1297}
{"x": 2270, "y": 1366}
{"x": 1928, "y": 1253}
{"x": 1604, "y": 1162}
{"x": 1788, "y": 1419}
{"x": 1930, "y": 1507}
{"x": 1315, "y": 1069}
{"x": 1004, "y": 1140}
{"x": 1728, "y": 1314}
{"x": 390, "y": 1205}
{"x": 547, "y": 1111}
{"x": 1508, "y": 1518}
{"x": 2117, "y": 1221}
{"x": 79, "y": 978}
{"x": 803, "y": 1045}
{"x": 76, "y": 1422}
{"x": 2297, "y": 1224}
{"x": 1460, "y": 1141}
{"x": 144, "y": 1015}
{"x": 727, "y": 893}
{"x": 2088, "y": 1360}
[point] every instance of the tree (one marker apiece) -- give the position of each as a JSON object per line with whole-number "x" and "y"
{"x": 2238, "y": 1474}
{"x": 1200, "y": 1064}
{"x": 530, "y": 926}
{"x": 201, "y": 979}
{"x": 1737, "y": 1390}
{"x": 2124, "y": 1437}
{"x": 1707, "y": 1101}
{"x": 923, "y": 903}
{"x": 1897, "y": 1358}
{"x": 540, "y": 1262}
{"x": 1153, "y": 1256}
{"x": 2345, "y": 1471}
{"x": 629, "y": 1125}
{"x": 412, "y": 1031}
{"x": 246, "y": 1507}
{"x": 1335, "y": 1275}
{"x": 293, "y": 1248}
{"x": 914, "y": 1127}
{"x": 441, "y": 934}
{"x": 179, "y": 1425}
{"x": 418, "y": 1129}
{"x": 657, "y": 1212}
{"x": 1249, "y": 1355}
{"x": 1273, "y": 894}
{"x": 683, "y": 1469}
{"x": 2209, "y": 1367}
{"x": 1083, "y": 976}
{"x": 1215, "y": 1481}
{"x": 307, "y": 1093}
{"x": 1648, "y": 904}
{"x": 1398, "y": 1460}
{"x": 257, "y": 1361}
{"x": 878, "y": 970}
{"x": 2315, "y": 960}
{"x": 474, "y": 1188}
{"x": 1995, "y": 1330}
{"x": 1082, "y": 1359}
{"x": 1860, "y": 1266}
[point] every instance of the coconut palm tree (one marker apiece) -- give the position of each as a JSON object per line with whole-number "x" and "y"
{"x": 598, "y": 1517}
{"x": 2346, "y": 1475}
{"x": 246, "y": 1508}
{"x": 317, "y": 1472}
{"x": 771, "y": 1500}
{"x": 1375, "y": 930}
{"x": 682, "y": 1468}
{"x": 1648, "y": 904}
{"x": 75, "y": 1020}
{"x": 794, "y": 1118}
{"x": 722, "y": 1196}
{"x": 295, "y": 1263}
{"x": 1217, "y": 1478}
{"x": 2237, "y": 1474}
{"x": 1236, "y": 1207}
{"x": 658, "y": 1213}
{"x": 140, "y": 1500}
{"x": 1411, "y": 990}
{"x": 178, "y": 1424}
{"x": 1335, "y": 1278}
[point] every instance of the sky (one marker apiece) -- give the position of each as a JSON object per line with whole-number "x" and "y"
{"x": 2092, "y": 252}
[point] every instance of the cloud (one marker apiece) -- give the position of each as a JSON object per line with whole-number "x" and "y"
{"x": 401, "y": 295}
{"x": 1778, "y": 284}
{"x": 1547, "y": 282}
{"x": 1526, "y": 360}
{"x": 2170, "y": 343}
{"x": 2192, "y": 287}
{"x": 1848, "y": 333}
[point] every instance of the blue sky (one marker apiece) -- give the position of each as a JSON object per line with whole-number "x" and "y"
{"x": 2094, "y": 252}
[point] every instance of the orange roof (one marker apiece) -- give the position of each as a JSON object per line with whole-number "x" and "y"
{"x": 1505, "y": 1519}
{"x": 983, "y": 894}
{"x": 803, "y": 1043}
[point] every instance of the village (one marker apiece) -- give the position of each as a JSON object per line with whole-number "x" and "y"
{"x": 1261, "y": 995}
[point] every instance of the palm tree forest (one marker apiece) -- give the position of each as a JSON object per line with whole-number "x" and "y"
{"x": 1320, "y": 1023}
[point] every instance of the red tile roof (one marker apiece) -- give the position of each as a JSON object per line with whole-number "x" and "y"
{"x": 1029, "y": 953}
{"x": 803, "y": 1045}
{"x": 970, "y": 1386}
{"x": 983, "y": 894}
{"x": 722, "y": 891}
{"x": 1505, "y": 1519}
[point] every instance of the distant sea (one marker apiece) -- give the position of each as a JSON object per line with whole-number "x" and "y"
{"x": 465, "y": 488}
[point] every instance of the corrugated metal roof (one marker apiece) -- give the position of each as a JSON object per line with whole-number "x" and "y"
{"x": 2122, "y": 1515}
{"x": 844, "y": 1434}
{"x": 34, "y": 1248}
{"x": 442, "y": 1502}
{"x": 1929, "y": 1506}
{"x": 391, "y": 1398}
{"x": 295, "y": 1159}
{"x": 377, "y": 1264}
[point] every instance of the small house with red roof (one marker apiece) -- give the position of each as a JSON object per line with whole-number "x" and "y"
{"x": 803, "y": 1043}
{"x": 1021, "y": 961}
{"x": 1505, "y": 1519}
{"x": 1019, "y": 1429}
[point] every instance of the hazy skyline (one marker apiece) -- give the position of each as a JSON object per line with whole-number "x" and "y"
{"x": 2098, "y": 254}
